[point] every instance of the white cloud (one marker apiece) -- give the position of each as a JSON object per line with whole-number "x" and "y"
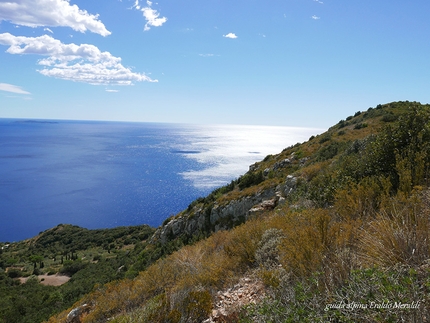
{"x": 81, "y": 63}
{"x": 230, "y": 35}
{"x": 136, "y": 5}
{"x": 315, "y": 17}
{"x": 47, "y": 29}
{"x": 319, "y": 1}
{"x": 53, "y": 13}
{"x": 12, "y": 88}
{"x": 206, "y": 55}
{"x": 113, "y": 91}
{"x": 151, "y": 15}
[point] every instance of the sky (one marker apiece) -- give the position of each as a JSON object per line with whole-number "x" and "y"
{"x": 301, "y": 63}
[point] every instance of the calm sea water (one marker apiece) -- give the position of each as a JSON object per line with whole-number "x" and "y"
{"x": 107, "y": 174}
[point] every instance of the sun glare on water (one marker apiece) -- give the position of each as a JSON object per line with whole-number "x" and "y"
{"x": 226, "y": 151}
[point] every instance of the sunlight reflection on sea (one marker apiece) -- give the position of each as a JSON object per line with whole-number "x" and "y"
{"x": 227, "y": 151}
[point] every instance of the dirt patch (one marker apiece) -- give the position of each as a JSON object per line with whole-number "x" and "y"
{"x": 51, "y": 280}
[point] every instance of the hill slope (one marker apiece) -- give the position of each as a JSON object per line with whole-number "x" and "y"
{"x": 341, "y": 219}
{"x": 89, "y": 257}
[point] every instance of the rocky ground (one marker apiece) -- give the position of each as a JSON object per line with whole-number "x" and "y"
{"x": 228, "y": 302}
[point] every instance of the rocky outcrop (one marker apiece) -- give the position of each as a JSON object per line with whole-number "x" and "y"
{"x": 219, "y": 217}
{"x": 290, "y": 185}
{"x": 74, "y": 315}
{"x": 282, "y": 163}
{"x": 222, "y": 217}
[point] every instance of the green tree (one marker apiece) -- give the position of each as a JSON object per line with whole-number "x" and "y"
{"x": 36, "y": 259}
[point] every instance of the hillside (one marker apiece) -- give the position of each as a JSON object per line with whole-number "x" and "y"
{"x": 88, "y": 257}
{"x": 333, "y": 229}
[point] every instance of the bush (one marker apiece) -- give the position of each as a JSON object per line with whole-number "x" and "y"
{"x": 325, "y": 137}
{"x": 329, "y": 151}
{"x": 196, "y": 306}
{"x": 360, "y": 125}
{"x": 267, "y": 254}
{"x": 72, "y": 267}
{"x": 341, "y": 124}
{"x": 389, "y": 118}
{"x": 243, "y": 244}
{"x": 250, "y": 179}
{"x": 307, "y": 238}
{"x": 14, "y": 273}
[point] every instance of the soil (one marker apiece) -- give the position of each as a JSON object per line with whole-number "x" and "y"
{"x": 51, "y": 280}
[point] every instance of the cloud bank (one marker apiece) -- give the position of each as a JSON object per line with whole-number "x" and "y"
{"x": 12, "y": 88}
{"x": 52, "y": 13}
{"x": 81, "y": 63}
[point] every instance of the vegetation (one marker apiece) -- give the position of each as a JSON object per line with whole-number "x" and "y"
{"x": 89, "y": 257}
{"x": 351, "y": 243}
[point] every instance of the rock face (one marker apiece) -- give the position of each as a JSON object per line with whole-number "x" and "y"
{"x": 222, "y": 217}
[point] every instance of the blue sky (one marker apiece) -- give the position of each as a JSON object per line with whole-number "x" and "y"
{"x": 304, "y": 63}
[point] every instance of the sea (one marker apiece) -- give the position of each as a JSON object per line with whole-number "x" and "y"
{"x": 98, "y": 174}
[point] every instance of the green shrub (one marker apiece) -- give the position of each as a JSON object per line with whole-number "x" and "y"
{"x": 389, "y": 118}
{"x": 329, "y": 151}
{"x": 360, "y": 125}
{"x": 250, "y": 179}
{"x": 267, "y": 254}
{"x": 72, "y": 267}
{"x": 325, "y": 138}
{"x": 14, "y": 273}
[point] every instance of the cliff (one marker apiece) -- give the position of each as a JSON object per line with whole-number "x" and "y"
{"x": 202, "y": 218}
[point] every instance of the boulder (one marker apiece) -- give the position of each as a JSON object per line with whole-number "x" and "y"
{"x": 74, "y": 315}
{"x": 282, "y": 164}
{"x": 290, "y": 185}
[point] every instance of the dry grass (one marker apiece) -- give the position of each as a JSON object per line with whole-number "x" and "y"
{"x": 399, "y": 234}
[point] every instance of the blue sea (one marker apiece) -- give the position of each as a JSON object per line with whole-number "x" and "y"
{"x": 104, "y": 174}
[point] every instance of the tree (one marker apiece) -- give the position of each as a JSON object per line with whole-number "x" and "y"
{"x": 36, "y": 259}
